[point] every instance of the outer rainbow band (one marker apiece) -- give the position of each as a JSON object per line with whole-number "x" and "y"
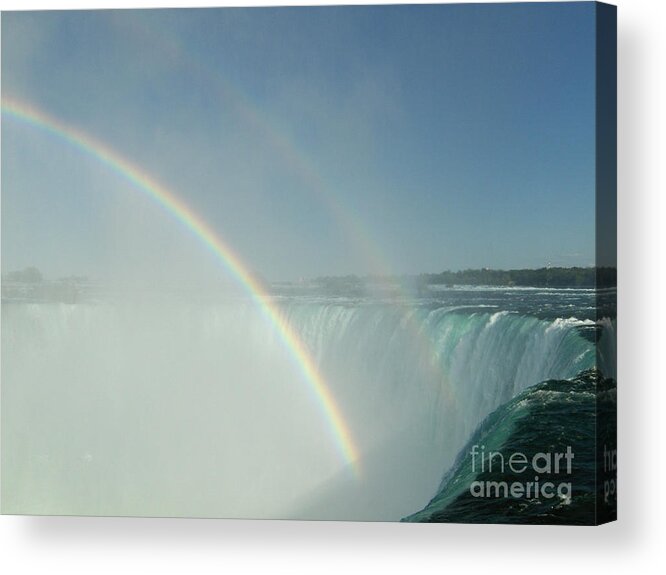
{"x": 223, "y": 252}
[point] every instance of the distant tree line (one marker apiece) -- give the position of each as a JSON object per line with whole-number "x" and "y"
{"x": 29, "y": 275}
{"x": 542, "y": 277}
{"x": 349, "y": 285}
{"x": 30, "y": 284}
{"x": 555, "y": 277}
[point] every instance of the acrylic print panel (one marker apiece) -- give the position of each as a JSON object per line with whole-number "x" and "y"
{"x": 349, "y": 263}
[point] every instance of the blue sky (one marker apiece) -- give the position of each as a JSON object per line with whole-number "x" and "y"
{"x": 317, "y": 141}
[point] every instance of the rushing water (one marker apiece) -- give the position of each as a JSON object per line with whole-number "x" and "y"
{"x": 170, "y": 407}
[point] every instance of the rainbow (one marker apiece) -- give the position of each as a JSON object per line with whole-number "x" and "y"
{"x": 215, "y": 244}
{"x": 294, "y": 156}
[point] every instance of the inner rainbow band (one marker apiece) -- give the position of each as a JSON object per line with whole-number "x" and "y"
{"x": 177, "y": 208}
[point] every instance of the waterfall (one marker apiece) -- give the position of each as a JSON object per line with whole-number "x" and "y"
{"x": 195, "y": 409}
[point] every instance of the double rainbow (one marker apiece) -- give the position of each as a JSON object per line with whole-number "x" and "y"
{"x": 223, "y": 252}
